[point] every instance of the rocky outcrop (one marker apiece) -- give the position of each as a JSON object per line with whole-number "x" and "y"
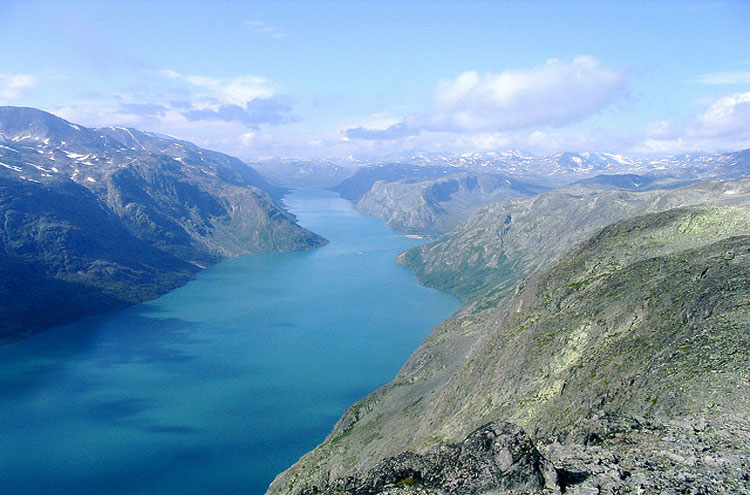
{"x": 497, "y": 457}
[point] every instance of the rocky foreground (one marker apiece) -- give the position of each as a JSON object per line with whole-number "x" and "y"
{"x": 616, "y": 455}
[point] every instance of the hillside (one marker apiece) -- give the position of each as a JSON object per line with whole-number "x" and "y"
{"x": 504, "y": 242}
{"x": 95, "y": 219}
{"x": 624, "y": 358}
{"x": 433, "y": 207}
{"x": 427, "y": 200}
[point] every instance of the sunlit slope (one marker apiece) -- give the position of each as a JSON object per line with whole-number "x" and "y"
{"x": 646, "y": 317}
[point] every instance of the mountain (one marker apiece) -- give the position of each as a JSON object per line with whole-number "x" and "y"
{"x": 427, "y": 200}
{"x": 504, "y": 242}
{"x": 312, "y": 174}
{"x": 356, "y": 186}
{"x": 567, "y": 167}
{"x": 622, "y": 354}
{"x": 631, "y": 182}
{"x": 433, "y": 207}
{"x": 95, "y": 219}
{"x": 428, "y": 194}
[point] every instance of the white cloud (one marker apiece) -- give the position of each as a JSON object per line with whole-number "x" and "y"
{"x": 723, "y": 78}
{"x": 555, "y": 94}
{"x": 15, "y": 86}
{"x": 230, "y": 91}
{"x": 262, "y": 29}
{"x": 240, "y": 90}
{"x": 724, "y": 126}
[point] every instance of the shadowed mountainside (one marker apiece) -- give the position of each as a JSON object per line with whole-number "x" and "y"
{"x": 95, "y": 219}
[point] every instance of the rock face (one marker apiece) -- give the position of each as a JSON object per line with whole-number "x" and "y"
{"x": 495, "y": 457}
{"x": 427, "y": 200}
{"x": 95, "y": 219}
{"x": 620, "y": 336}
{"x": 433, "y": 207}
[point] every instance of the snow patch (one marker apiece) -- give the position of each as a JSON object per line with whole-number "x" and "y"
{"x": 12, "y": 167}
{"x": 37, "y": 167}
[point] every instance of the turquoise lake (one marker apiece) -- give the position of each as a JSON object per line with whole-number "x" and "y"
{"x": 221, "y": 384}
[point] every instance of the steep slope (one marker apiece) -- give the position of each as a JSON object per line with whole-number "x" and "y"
{"x": 646, "y": 318}
{"x": 94, "y": 219}
{"x": 356, "y": 186}
{"x": 505, "y": 241}
{"x": 433, "y": 207}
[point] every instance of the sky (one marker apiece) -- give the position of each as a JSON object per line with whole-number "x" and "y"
{"x": 330, "y": 79}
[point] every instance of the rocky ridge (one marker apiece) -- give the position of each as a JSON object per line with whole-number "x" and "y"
{"x": 615, "y": 357}
{"x": 504, "y": 242}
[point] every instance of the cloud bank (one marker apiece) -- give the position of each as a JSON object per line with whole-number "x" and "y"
{"x": 725, "y": 125}
{"x": 555, "y": 94}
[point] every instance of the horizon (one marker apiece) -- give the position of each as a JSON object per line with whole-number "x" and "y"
{"x": 292, "y": 80}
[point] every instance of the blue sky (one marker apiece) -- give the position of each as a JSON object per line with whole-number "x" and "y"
{"x": 320, "y": 79}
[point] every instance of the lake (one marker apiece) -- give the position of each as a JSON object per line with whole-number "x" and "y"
{"x": 221, "y": 384}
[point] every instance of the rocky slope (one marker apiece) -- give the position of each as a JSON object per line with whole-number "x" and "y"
{"x": 95, "y": 219}
{"x": 623, "y": 357}
{"x": 504, "y": 242}
{"x": 433, "y": 207}
{"x": 427, "y": 200}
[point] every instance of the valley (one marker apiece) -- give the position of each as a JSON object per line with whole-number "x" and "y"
{"x": 591, "y": 336}
{"x": 374, "y": 248}
{"x": 600, "y": 309}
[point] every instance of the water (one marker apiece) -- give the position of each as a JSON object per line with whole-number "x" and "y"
{"x": 217, "y": 386}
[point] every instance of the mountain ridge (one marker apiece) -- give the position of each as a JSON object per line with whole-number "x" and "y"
{"x": 120, "y": 215}
{"x": 633, "y": 329}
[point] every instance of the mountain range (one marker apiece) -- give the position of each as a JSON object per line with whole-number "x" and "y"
{"x": 96, "y": 219}
{"x": 429, "y": 194}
